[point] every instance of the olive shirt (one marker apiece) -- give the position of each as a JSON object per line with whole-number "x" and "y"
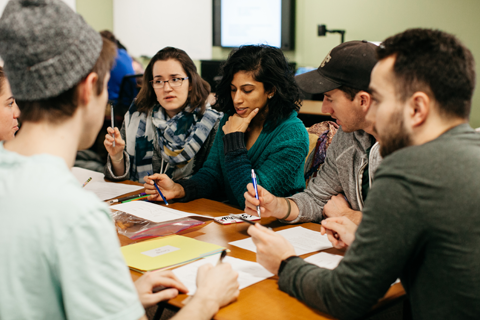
{"x": 421, "y": 222}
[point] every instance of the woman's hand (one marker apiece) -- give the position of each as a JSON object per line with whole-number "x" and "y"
{"x": 238, "y": 124}
{"x": 269, "y": 204}
{"x": 170, "y": 189}
{"x": 117, "y": 151}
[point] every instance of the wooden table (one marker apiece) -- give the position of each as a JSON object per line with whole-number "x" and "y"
{"x": 262, "y": 300}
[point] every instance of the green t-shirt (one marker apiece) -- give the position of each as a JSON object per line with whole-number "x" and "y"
{"x": 60, "y": 256}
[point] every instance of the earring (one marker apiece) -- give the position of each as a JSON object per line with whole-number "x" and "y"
{"x": 270, "y": 97}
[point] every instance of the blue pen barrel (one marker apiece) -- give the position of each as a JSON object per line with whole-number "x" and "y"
{"x": 254, "y": 181}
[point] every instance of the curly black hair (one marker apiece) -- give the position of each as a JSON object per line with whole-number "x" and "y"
{"x": 269, "y": 66}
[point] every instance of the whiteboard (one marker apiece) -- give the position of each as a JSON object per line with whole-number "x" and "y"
{"x": 146, "y": 26}
{"x": 71, "y": 3}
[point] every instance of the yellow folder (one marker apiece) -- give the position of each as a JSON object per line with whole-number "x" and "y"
{"x": 166, "y": 252}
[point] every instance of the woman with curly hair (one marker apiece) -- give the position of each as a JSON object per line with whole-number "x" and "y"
{"x": 169, "y": 128}
{"x": 260, "y": 131}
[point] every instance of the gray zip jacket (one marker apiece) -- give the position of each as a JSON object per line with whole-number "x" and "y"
{"x": 342, "y": 172}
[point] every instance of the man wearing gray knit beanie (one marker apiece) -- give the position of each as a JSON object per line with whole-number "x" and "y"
{"x": 60, "y": 254}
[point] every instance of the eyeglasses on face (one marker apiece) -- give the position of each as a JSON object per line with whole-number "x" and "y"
{"x": 175, "y": 82}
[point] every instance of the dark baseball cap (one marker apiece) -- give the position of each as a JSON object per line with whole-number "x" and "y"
{"x": 348, "y": 64}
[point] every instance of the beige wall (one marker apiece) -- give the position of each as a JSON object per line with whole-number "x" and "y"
{"x": 372, "y": 20}
{"x": 97, "y": 13}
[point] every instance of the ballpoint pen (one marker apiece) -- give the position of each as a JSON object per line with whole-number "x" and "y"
{"x": 113, "y": 123}
{"x": 239, "y": 216}
{"x": 158, "y": 189}
{"x": 254, "y": 181}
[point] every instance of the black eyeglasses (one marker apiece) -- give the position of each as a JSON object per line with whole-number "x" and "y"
{"x": 175, "y": 82}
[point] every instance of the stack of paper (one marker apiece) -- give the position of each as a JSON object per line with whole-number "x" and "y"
{"x": 103, "y": 190}
{"x": 166, "y": 252}
{"x": 248, "y": 272}
{"x": 83, "y": 175}
{"x": 109, "y": 190}
{"x": 302, "y": 239}
{"x": 153, "y": 212}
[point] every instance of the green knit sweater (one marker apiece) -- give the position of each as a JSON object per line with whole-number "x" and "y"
{"x": 277, "y": 157}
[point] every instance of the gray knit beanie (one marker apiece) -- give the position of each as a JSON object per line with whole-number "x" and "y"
{"x": 47, "y": 48}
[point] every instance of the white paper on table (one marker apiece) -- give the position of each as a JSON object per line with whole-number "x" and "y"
{"x": 248, "y": 272}
{"x": 82, "y": 175}
{"x": 325, "y": 260}
{"x": 153, "y": 212}
{"x": 328, "y": 261}
{"x": 302, "y": 239}
{"x": 109, "y": 190}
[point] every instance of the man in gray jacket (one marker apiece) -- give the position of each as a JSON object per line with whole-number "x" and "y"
{"x": 342, "y": 183}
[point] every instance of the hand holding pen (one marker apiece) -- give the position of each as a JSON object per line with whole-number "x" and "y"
{"x": 267, "y": 202}
{"x": 160, "y": 187}
{"x": 114, "y": 144}
{"x": 254, "y": 182}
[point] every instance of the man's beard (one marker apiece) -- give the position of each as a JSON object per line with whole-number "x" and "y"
{"x": 396, "y": 138}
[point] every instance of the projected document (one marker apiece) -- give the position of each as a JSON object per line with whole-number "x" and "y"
{"x": 251, "y": 22}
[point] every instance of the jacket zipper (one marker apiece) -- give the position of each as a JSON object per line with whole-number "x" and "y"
{"x": 359, "y": 183}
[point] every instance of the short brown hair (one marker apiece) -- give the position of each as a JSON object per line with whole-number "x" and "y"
{"x": 2, "y": 79}
{"x": 63, "y": 106}
{"x": 349, "y": 92}
{"x": 147, "y": 98}
{"x": 433, "y": 62}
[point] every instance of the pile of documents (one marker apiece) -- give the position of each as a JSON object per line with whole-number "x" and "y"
{"x": 166, "y": 252}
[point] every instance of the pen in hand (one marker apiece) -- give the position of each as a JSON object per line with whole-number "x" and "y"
{"x": 254, "y": 181}
{"x": 158, "y": 189}
{"x": 113, "y": 124}
{"x": 222, "y": 255}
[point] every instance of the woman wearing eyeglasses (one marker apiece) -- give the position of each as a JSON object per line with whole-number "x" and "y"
{"x": 169, "y": 129}
{"x": 9, "y": 111}
{"x": 260, "y": 131}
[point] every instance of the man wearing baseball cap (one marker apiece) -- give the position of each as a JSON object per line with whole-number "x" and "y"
{"x": 343, "y": 181}
{"x": 60, "y": 256}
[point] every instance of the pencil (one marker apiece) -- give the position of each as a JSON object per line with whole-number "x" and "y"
{"x": 88, "y": 180}
{"x": 127, "y": 198}
{"x": 135, "y": 199}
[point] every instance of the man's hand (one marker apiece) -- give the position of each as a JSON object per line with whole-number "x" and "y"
{"x": 340, "y": 231}
{"x": 272, "y": 248}
{"x": 170, "y": 189}
{"x": 217, "y": 284}
{"x": 236, "y": 123}
{"x": 338, "y": 206}
{"x": 216, "y": 287}
{"x": 146, "y": 283}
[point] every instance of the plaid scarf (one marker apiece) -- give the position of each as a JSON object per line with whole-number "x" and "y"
{"x": 179, "y": 138}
